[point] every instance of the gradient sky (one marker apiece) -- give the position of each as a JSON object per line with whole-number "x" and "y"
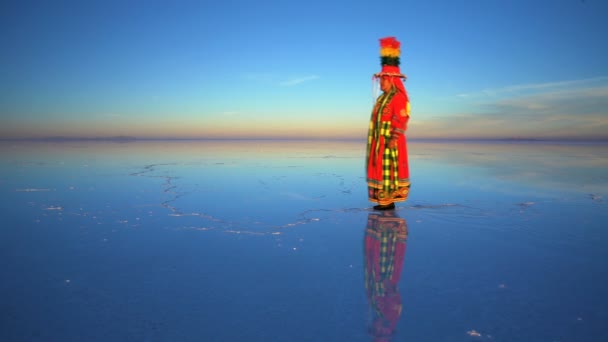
{"x": 476, "y": 68}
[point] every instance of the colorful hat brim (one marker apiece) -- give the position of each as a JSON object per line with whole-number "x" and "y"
{"x": 379, "y": 74}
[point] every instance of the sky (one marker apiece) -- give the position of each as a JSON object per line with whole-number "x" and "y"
{"x": 301, "y": 69}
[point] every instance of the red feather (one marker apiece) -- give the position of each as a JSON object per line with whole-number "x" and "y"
{"x": 390, "y": 42}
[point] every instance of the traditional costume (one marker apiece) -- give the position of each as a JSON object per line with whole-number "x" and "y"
{"x": 385, "y": 244}
{"x": 388, "y": 178}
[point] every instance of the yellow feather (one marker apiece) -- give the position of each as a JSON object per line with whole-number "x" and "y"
{"x": 389, "y": 52}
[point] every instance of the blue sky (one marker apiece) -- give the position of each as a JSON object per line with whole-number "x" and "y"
{"x": 475, "y": 68}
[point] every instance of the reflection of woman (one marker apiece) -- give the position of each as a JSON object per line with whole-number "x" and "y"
{"x": 387, "y": 167}
{"x": 385, "y": 238}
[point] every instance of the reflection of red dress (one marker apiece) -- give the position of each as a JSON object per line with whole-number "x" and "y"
{"x": 388, "y": 177}
{"x": 385, "y": 238}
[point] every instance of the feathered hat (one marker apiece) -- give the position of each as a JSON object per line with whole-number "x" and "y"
{"x": 389, "y": 57}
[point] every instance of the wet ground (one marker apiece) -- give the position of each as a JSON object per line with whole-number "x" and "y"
{"x": 275, "y": 241}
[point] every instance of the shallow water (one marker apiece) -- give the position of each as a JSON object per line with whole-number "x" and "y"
{"x": 264, "y": 241}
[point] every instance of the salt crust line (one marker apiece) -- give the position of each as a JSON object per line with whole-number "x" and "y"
{"x": 168, "y": 187}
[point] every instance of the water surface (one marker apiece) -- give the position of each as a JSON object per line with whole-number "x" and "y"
{"x": 275, "y": 241}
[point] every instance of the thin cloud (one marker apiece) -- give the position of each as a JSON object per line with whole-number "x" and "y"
{"x": 300, "y": 80}
{"x": 569, "y": 101}
{"x": 536, "y": 87}
{"x": 273, "y": 79}
{"x": 560, "y": 109}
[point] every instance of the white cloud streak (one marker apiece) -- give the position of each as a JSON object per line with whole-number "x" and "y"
{"x": 300, "y": 80}
{"x": 557, "y": 109}
{"x": 536, "y": 87}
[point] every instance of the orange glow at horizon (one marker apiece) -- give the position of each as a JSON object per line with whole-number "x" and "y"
{"x": 302, "y": 127}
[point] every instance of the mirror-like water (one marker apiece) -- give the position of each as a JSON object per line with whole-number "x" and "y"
{"x": 275, "y": 241}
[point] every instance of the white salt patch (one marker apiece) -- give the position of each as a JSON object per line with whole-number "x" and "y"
{"x": 473, "y": 333}
{"x": 32, "y": 190}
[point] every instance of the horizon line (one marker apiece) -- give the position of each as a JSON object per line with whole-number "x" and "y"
{"x": 121, "y": 138}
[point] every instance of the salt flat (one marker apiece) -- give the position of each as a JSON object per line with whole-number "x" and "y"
{"x": 264, "y": 240}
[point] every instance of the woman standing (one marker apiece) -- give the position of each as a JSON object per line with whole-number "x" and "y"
{"x": 387, "y": 167}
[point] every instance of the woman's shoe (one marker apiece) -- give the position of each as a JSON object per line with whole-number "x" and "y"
{"x": 385, "y": 207}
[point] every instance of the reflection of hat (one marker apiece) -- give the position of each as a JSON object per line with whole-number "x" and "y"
{"x": 389, "y": 57}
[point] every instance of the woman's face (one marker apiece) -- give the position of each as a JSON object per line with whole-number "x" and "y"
{"x": 385, "y": 83}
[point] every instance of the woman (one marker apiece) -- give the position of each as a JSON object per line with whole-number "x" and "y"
{"x": 387, "y": 167}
